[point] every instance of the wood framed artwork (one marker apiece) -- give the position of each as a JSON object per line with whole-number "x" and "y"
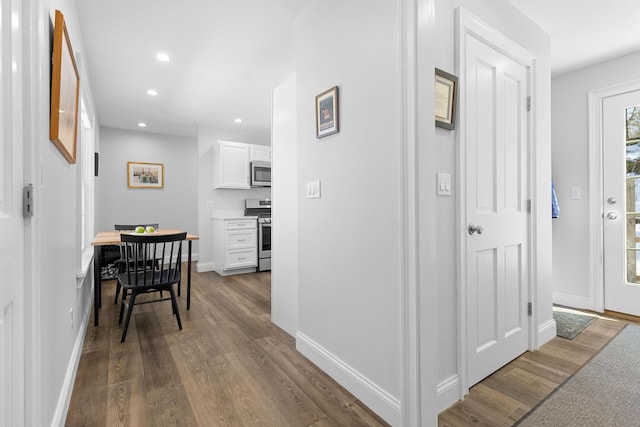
{"x": 145, "y": 175}
{"x": 445, "y": 94}
{"x": 327, "y": 117}
{"x": 65, "y": 92}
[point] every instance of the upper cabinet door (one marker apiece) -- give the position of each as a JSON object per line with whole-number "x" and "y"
{"x": 231, "y": 165}
{"x": 260, "y": 153}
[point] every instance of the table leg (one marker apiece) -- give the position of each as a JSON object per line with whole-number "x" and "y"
{"x": 189, "y": 277}
{"x": 97, "y": 283}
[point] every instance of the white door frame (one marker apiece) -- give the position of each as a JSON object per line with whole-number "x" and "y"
{"x": 596, "y": 174}
{"x": 35, "y": 28}
{"x": 469, "y": 25}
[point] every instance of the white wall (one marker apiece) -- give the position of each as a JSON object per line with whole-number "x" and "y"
{"x": 174, "y": 206}
{"x": 284, "y": 242}
{"x": 223, "y": 200}
{"x": 570, "y": 149}
{"x": 58, "y": 304}
{"x": 502, "y": 16}
{"x": 350, "y": 238}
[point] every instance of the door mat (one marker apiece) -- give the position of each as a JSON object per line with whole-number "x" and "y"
{"x": 568, "y": 324}
{"x": 604, "y": 392}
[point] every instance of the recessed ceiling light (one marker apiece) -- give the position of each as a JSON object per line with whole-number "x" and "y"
{"x": 238, "y": 120}
{"x": 163, "y": 57}
{"x": 142, "y": 125}
{"x": 152, "y": 92}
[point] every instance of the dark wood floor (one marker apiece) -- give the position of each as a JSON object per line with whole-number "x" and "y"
{"x": 229, "y": 366}
{"x": 507, "y": 395}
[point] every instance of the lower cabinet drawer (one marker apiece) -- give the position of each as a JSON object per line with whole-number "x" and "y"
{"x": 241, "y": 239}
{"x": 239, "y": 224}
{"x": 241, "y": 259}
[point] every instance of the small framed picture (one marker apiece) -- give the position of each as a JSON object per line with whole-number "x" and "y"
{"x": 145, "y": 175}
{"x": 327, "y": 117}
{"x": 445, "y": 94}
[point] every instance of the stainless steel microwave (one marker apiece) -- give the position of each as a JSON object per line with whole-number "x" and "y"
{"x": 260, "y": 174}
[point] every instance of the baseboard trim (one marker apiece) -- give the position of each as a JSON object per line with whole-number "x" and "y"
{"x": 60, "y": 414}
{"x": 573, "y": 301}
{"x": 203, "y": 267}
{"x": 546, "y": 332}
{"x": 378, "y": 400}
{"x": 185, "y": 257}
{"x": 236, "y": 271}
{"x": 448, "y": 392}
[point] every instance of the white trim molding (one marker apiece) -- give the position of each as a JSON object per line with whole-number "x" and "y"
{"x": 376, "y": 398}
{"x": 64, "y": 399}
{"x": 410, "y": 329}
{"x": 448, "y": 392}
{"x": 569, "y": 300}
{"x": 547, "y": 331}
{"x": 202, "y": 267}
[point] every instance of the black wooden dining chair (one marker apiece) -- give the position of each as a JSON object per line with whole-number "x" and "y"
{"x": 140, "y": 277}
{"x": 119, "y": 264}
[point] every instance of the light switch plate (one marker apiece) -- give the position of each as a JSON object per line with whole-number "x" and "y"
{"x": 313, "y": 189}
{"x": 443, "y": 184}
{"x": 575, "y": 193}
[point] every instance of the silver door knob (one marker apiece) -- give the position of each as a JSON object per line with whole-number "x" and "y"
{"x": 475, "y": 228}
{"x": 611, "y": 200}
{"x": 612, "y": 215}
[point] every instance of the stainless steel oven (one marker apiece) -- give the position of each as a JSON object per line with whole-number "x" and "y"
{"x": 262, "y": 209}
{"x": 264, "y": 244}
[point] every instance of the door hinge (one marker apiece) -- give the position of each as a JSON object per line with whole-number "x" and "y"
{"x": 528, "y": 103}
{"x": 529, "y": 308}
{"x": 27, "y": 201}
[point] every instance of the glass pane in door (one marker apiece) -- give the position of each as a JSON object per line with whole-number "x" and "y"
{"x": 632, "y": 154}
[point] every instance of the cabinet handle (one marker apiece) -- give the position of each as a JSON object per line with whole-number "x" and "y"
{"x": 242, "y": 240}
{"x": 240, "y": 258}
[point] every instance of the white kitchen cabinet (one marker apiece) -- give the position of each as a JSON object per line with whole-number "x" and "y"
{"x": 231, "y": 165}
{"x": 260, "y": 153}
{"x": 235, "y": 248}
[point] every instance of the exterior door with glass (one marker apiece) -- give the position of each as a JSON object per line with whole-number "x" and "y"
{"x": 621, "y": 204}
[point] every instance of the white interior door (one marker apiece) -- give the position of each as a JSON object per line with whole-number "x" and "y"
{"x": 496, "y": 200}
{"x": 11, "y": 220}
{"x": 621, "y": 207}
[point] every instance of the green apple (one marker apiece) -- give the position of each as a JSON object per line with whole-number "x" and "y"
{"x": 150, "y": 229}
{"x": 139, "y": 229}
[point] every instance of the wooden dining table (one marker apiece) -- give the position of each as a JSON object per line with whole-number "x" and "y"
{"x": 111, "y": 237}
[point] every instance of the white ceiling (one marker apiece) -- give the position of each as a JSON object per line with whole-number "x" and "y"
{"x": 585, "y": 32}
{"x": 227, "y": 56}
